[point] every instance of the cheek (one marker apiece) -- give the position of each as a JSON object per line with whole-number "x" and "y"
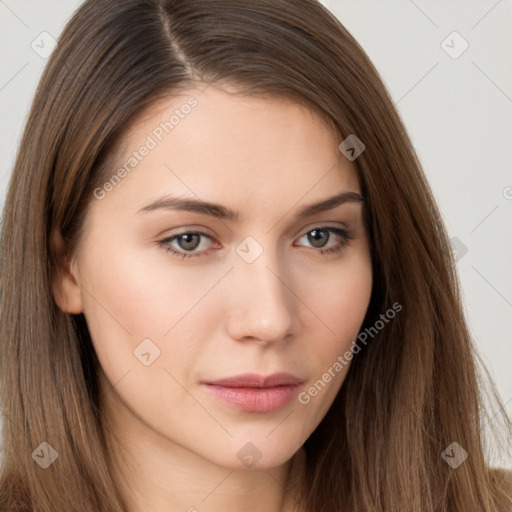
{"x": 129, "y": 300}
{"x": 143, "y": 295}
{"x": 340, "y": 298}
{"x": 148, "y": 322}
{"x": 339, "y": 304}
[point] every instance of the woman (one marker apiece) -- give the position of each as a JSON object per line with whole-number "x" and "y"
{"x": 225, "y": 281}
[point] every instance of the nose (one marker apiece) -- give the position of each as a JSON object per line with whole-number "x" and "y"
{"x": 261, "y": 308}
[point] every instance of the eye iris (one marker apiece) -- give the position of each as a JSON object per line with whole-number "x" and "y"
{"x": 188, "y": 241}
{"x": 318, "y": 237}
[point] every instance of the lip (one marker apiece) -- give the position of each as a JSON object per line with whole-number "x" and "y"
{"x": 256, "y": 393}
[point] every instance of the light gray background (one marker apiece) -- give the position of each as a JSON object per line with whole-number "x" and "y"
{"x": 458, "y": 112}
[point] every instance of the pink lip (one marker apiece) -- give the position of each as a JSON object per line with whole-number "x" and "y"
{"x": 256, "y": 393}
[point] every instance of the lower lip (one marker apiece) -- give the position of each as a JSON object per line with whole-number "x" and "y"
{"x": 255, "y": 399}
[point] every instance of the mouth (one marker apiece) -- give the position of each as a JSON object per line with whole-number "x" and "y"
{"x": 256, "y": 393}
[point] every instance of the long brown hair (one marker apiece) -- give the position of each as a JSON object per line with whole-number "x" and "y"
{"x": 413, "y": 390}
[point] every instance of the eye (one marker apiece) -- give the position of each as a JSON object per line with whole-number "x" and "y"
{"x": 320, "y": 237}
{"x": 190, "y": 244}
{"x": 186, "y": 244}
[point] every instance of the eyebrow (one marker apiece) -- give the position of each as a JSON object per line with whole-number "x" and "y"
{"x": 222, "y": 212}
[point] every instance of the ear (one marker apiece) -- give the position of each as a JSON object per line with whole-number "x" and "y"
{"x": 65, "y": 288}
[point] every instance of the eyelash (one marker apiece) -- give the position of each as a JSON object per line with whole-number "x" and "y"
{"x": 346, "y": 237}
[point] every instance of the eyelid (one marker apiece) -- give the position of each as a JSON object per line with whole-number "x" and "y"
{"x": 199, "y": 229}
{"x": 320, "y": 225}
{"x": 192, "y": 231}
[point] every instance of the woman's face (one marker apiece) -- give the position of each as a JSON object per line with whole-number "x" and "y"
{"x": 219, "y": 328}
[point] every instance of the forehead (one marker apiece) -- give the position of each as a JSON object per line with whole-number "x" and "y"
{"x": 247, "y": 152}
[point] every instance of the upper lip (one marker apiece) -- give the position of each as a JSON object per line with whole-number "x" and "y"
{"x": 254, "y": 380}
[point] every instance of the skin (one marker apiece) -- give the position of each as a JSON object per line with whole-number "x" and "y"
{"x": 293, "y": 309}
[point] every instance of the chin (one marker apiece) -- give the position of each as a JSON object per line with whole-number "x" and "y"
{"x": 257, "y": 452}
